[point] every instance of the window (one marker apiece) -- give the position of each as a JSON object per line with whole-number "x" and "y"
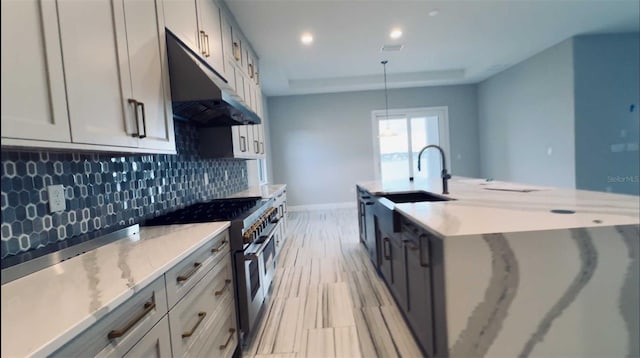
{"x": 399, "y": 138}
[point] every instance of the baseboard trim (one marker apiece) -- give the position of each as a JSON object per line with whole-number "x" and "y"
{"x": 329, "y": 206}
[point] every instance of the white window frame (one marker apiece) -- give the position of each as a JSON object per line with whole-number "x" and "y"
{"x": 443, "y": 130}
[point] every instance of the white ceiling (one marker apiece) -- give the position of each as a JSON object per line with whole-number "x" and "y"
{"x": 467, "y": 42}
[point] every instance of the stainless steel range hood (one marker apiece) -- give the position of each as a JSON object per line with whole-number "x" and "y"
{"x": 198, "y": 93}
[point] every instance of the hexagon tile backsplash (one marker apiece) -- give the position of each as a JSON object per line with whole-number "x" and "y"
{"x": 103, "y": 190}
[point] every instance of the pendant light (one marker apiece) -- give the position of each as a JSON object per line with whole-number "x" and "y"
{"x": 387, "y": 131}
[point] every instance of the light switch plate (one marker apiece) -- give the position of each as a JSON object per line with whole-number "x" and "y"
{"x": 56, "y": 198}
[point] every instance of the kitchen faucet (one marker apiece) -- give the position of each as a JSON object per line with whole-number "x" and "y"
{"x": 445, "y": 176}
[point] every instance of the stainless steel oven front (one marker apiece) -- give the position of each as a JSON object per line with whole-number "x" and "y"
{"x": 256, "y": 266}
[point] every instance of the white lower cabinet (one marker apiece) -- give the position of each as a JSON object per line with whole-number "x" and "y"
{"x": 203, "y": 322}
{"x": 154, "y": 343}
{"x": 118, "y": 332}
{"x": 184, "y": 276}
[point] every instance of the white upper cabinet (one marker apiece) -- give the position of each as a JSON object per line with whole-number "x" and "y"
{"x": 181, "y": 18}
{"x": 211, "y": 30}
{"x": 34, "y": 105}
{"x": 149, "y": 72}
{"x": 116, "y": 84}
{"x": 197, "y": 24}
{"x": 86, "y": 75}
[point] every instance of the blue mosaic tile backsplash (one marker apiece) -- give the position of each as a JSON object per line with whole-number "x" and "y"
{"x": 104, "y": 190}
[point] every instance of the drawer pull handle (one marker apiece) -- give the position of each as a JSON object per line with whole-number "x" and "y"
{"x": 201, "y": 316}
{"x": 217, "y": 249}
{"x": 231, "y": 332}
{"x": 226, "y": 283}
{"x": 420, "y": 254}
{"x": 385, "y": 241}
{"x": 188, "y": 275}
{"x": 117, "y": 333}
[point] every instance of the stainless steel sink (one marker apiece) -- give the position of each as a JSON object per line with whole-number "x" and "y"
{"x": 414, "y": 197}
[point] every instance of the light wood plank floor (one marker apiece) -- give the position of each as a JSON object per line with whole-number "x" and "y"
{"x": 327, "y": 299}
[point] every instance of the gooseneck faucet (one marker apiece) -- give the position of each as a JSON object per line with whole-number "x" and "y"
{"x": 444, "y": 175}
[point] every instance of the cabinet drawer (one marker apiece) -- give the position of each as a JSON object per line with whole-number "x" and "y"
{"x": 226, "y": 339}
{"x": 126, "y": 325}
{"x": 155, "y": 343}
{"x": 197, "y": 319}
{"x": 183, "y": 277}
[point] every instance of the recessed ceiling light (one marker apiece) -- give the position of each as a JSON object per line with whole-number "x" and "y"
{"x": 434, "y": 12}
{"x": 395, "y": 33}
{"x": 306, "y": 38}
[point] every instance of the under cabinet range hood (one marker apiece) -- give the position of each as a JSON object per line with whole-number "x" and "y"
{"x": 198, "y": 93}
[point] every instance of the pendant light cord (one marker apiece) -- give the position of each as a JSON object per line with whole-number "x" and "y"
{"x": 386, "y": 95}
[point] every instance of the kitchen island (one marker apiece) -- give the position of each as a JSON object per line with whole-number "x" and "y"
{"x": 518, "y": 270}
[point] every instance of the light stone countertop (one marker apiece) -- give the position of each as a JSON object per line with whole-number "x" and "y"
{"x": 43, "y": 311}
{"x": 266, "y": 191}
{"x": 481, "y": 209}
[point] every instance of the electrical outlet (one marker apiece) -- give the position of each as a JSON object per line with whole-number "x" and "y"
{"x": 56, "y": 198}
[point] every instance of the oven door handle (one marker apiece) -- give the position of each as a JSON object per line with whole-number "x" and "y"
{"x": 254, "y": 256}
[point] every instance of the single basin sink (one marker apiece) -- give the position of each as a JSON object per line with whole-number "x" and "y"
{"x": 414, "y": 197}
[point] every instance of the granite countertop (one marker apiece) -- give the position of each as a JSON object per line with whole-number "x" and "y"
{"x": 43, "y": 311}
{"x": 266, "y": 191}
{"x": 482, "y": 207}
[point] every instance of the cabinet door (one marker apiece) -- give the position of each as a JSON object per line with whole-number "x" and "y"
{"x": 384, "y": 253}
{"x": 420, "y": 305}
{"x": 361, "y": 223}
{"x": 259, "y": 108}
{"x": 261, "y": 152}
{"x": 156, "y": 343}
{"x": 227, "y": 50}
{"x": 369, "y": 234}
{"x": 398, "y": 272}
{"x": 96, "y": 64}
{"x": 240, "y": 91}
{"x": 180, "y": 17}
{"x": 250, "y": 141}
{"x": 211, "y": 31}
{"x": 240, "y": 141}
{"x": 236, "y": 46}
{"x": 147, "y": 62}
{"x": 34, "y": 104}
{"x": 256, "y": 139}
{"x": 202, "y": 315}
{"x": 184, "y": 276}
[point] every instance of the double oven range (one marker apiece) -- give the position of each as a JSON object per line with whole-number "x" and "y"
{"x": 252, "y": 237}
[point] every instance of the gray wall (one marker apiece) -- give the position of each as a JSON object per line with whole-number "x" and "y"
{"x": 322, "y": 144}
{"x": 606, "y": 85}
{"x": 525, "y": 112}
